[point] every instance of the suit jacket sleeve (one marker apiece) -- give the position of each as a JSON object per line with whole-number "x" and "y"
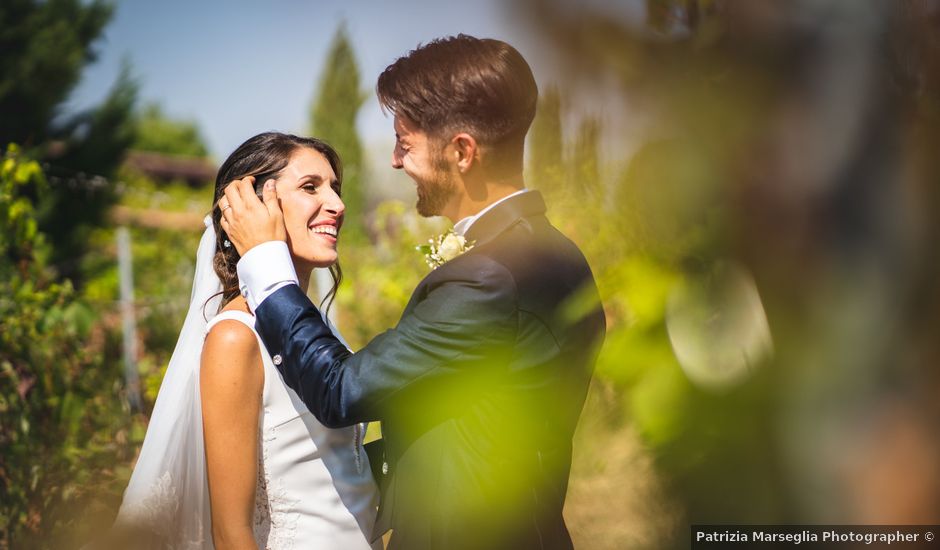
{"x": 462, "y": 316}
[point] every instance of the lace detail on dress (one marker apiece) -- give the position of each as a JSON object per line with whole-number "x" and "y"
{"x": 158, "y": 512}
{"x": 273, "y": 527}
{"x": 261, "y": 523}
{"x": 158, "y": 509}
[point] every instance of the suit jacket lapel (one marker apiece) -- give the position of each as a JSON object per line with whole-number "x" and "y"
{"x": 504, "y": 215}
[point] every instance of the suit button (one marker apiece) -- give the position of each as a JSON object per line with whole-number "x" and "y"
{"x": 384, "y": 468}
{"x": 277, "y": 360}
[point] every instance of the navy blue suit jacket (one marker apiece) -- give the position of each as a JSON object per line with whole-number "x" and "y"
{"x": 478, "y": 387}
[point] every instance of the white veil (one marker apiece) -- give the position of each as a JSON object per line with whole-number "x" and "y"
{"x": 167, "y": 498}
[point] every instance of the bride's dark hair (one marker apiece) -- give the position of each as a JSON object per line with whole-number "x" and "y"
{"x": 263, "y": 156}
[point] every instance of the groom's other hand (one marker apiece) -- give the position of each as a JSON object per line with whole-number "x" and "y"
{"x": 247, "y": 220}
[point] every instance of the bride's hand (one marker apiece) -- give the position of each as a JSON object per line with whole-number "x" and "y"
{"x": 248, "y": 221}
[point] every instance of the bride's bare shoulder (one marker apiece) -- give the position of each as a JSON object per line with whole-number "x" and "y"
{"x": 231, "y": 347}
{"x": 230, "y": 334}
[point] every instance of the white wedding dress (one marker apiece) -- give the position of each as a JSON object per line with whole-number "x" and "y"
{"x": 314, "y": 485}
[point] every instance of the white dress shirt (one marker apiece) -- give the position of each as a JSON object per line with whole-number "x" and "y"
{"x": 463, "y": 225}
{"x": 267, "y": 267}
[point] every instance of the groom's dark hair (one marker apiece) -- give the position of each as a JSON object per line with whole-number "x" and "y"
{"x": 461, "y": 83}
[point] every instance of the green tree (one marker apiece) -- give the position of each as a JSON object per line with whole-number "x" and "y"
{"x": 333, "y": 118}
{"x": 96, "y": 140}
{"x": 160, "y": 134}
{"x": 546, "y": 158}
{"x": 43, "y": 48}
{"x": 62, "y": 429}
{"x": 584, "y": 158}
{"x": 82, "y": 189}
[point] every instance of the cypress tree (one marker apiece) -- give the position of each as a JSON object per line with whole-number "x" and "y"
{"x": 333, "y": 118}
{"x": 546, "y": 159}
{"x": 584, "y": 161}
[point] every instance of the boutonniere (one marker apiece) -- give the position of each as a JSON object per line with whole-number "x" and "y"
{"x": 444, "y": 248}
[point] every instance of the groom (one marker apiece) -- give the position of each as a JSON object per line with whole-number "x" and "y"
{"x": 480, "y": 385}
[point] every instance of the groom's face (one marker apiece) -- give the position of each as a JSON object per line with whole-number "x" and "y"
{"x": 425, "y": 162}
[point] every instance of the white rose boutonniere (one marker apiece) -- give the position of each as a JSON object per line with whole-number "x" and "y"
{"x": 444, "y": 248}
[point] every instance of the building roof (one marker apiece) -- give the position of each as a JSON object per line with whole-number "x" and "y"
{"x": 193, "y": 170}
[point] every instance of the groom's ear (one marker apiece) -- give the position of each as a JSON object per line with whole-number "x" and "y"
{"x": 466, "y": 151}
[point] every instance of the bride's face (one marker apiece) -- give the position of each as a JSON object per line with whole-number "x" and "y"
{"x": 313, "y": 211}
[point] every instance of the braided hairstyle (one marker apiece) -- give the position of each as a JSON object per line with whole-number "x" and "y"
{"x": 263, "y": 156}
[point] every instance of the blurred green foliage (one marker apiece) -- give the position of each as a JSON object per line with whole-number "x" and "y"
{"x": 378, "y": 277}
{"x": 585, "y": 157}
{"x": 163, "y": 262}
{"x": 794, "y": 140}
{"x": 650, "y": 224}
{"x": 546, "y": 148}
{"x": 62, "y": 430}
{"x": 158, "y": 133}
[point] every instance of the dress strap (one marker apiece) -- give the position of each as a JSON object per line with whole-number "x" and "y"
{"x": 234, "y": 315}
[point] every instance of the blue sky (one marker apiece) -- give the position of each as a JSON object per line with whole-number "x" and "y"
{"x": 240, "y": 67}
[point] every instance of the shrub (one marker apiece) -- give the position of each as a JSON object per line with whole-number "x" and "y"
{"x": 63, "y": 424}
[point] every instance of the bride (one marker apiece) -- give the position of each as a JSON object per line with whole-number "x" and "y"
{"x": 232, "y": 457}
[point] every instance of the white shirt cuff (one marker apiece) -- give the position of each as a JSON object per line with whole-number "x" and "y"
{"x": 263, "y": 270}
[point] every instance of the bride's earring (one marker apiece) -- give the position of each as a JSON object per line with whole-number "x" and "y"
{"x": 226, "y": 244}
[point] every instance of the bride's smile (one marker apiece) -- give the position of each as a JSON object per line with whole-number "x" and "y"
{"x": 309, "y": 195}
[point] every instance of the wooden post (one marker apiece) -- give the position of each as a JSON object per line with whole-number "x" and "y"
{"x": 128, "y": 321}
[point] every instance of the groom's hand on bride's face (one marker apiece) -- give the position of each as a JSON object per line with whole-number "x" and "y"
{"x": 249, "y": 221}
